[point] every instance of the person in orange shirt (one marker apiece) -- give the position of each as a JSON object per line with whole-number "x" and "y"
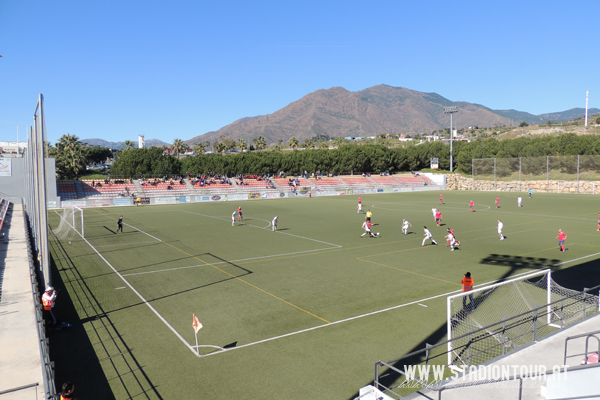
{"x": 468, "y": 283}
{"x": 48, "y": 301}
{"x": 561, "y": 240}
{"x": 67, "y": 391}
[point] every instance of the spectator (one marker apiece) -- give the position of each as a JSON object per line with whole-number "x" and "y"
{"x": 48, "y": 301}
{"x": 67, "y": 391}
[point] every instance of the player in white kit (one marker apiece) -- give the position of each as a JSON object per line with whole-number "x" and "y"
{"x": 428, "y": 236}
{"x": 233, "y": 218}
{"x": 274, "y": 223}
{"x": 500, "y": 226}
{"x": 405, "y": 225}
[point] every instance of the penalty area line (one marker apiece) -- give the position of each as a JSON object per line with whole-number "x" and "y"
{"x": 130, "y": 286}
{"x": 357, "y": 317}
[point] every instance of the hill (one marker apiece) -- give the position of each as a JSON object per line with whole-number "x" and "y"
{"x": 337, "y": 112}
{"x": 121, "y": 145}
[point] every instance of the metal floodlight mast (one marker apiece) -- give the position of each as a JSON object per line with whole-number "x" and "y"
{"x": 451, "y": 110}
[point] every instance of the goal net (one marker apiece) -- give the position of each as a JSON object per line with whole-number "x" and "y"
{"x": 71, "y": 224}
{"x": 513, "y": 313}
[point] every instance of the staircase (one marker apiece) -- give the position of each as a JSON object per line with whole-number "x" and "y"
{"x": 79, "y": 189}
{"x": 138, "y": 188}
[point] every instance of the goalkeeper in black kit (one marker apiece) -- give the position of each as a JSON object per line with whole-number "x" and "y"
{"x": 120, "y": 224}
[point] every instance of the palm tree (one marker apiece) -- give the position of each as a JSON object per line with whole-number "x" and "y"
{"x": 339, "y": 141}
{"x": 241, "y": 144}
{"x": 323, "y": 145}
{"x": 128, "y": 145}
{"x": 260, "y": 143}
{"x": 177, "y": 146}
{"x": 293, "y": 142}
{"x": 220, "y": 147}
{"x": 308, "y": 144}
{"x": 71, "y": 158}
{"x": 199, "y": 148}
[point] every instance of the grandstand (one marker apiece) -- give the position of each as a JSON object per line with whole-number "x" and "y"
{"x": 108, "y": 189}
{"x": 100, "y": 189}
{"x": 66, "y": 190}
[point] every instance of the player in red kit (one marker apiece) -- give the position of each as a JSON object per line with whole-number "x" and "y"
{"x": 497, "y": 202}
{"x": 471, "y": 204}
{"x": 561, "y": 240}
{"x": 441, "y": 198}
{"x": 240, "y": 217}
{"x": 438, "y": 217}
{"x": 598, "y": 223}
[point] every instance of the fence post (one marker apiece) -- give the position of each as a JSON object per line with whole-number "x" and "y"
{"x": 535, "y": 313}
{"x": 578, "y": 173}
{"x": 584, "y": 303}
{"x": 547, "y": 173}
{"x": 376, "y": 380}
{"x": 520, "y": 183}
{"x": 495, "y": 184}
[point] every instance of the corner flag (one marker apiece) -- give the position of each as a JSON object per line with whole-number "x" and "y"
{"x": 196, "y": 324}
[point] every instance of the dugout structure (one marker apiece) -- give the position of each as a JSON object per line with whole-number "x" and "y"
{"x": 491, "y": 321}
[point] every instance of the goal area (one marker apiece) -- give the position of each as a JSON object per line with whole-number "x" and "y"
{"x": 71, "y": 224}
{"x": 493, "y": 320}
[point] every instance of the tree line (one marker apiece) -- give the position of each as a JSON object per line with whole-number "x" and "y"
{"x": 344, "y": 159}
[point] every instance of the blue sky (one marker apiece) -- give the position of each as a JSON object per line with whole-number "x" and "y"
{"x": 178, "y": 69}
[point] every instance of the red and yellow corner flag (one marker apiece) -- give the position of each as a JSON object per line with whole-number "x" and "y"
{"x": 196, "y": 324}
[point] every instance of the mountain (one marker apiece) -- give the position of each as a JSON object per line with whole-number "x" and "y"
{"x": 121, "y": 145}
{"x": 562, "y": 116}
{"x": 337, "y": 112}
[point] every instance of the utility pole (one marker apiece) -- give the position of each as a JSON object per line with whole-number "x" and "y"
{"x": 451, "y": 110}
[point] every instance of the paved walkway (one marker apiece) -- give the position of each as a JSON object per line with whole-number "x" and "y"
{"x": 549, "y": 352}
{"x": 20, "y": 360}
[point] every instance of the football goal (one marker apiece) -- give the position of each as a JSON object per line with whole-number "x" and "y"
{"x": 514, "y": 313}
{"x": 71, "y": 224}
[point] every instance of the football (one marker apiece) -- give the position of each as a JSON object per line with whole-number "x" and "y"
{"x": 377, "y": 233}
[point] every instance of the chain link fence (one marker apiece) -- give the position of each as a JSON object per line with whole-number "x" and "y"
{"x": 556, "y": 174}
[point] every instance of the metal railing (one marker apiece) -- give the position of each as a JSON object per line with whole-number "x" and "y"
{"x": 47, "y": 364}
{"x": 472, "y": 343}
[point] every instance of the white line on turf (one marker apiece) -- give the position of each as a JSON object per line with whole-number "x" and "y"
{"x": 231, "y": 261}
{"x": 283, "y": 233}
{"x": 125, "y": 244}
{"x": 164, "y": 321}
{"x": 354, "y": 318}
{"x": 145, "y": 233}
{"x": 423, "y": 305}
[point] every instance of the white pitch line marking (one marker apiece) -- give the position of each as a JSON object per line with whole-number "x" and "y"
{"x": 125, "y": 244}
{"x": 164, "y": 321}
{"x": 231, "y": 261}
{"x": 422, "y": 305}
{"x": 283, "y": 233}
{"x": 122, "y": 287}
{"x": 145, "y": 233}
{"x": 356, "y": 317}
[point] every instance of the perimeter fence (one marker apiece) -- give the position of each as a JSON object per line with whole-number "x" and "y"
{"x": 558, "y": 174}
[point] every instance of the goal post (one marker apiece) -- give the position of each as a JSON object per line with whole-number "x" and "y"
{"x": 72, "y": 223}
{"x": 488, "y": 305}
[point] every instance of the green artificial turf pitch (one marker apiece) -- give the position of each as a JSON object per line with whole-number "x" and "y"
{"x": 307, "y": 310}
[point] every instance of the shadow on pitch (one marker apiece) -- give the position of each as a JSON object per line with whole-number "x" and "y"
{"x": 390, "y": 378}
{"x": 519, "y": 262}
{"x": 70, "y": 350}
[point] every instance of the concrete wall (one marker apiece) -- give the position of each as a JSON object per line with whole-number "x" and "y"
{"x": 13, "y": 187}
{"x": 458, "y": 182}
